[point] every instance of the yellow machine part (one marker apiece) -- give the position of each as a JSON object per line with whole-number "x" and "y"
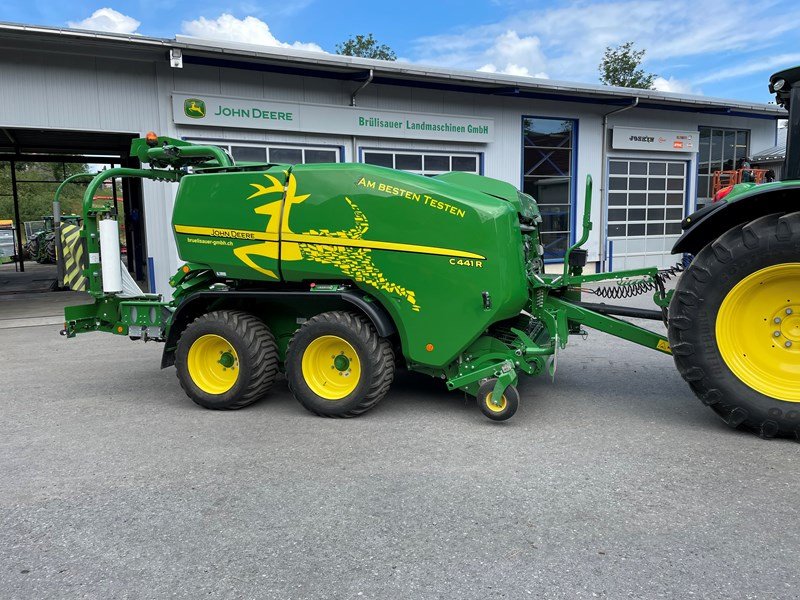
{"x": 74, "y": 257}
{"x": 758, "y": 331}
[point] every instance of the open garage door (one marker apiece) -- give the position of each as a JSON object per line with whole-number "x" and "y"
{"x": 33, "y": 162}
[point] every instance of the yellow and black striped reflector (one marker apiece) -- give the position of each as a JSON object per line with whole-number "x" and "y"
{"x": 74, "y": 257}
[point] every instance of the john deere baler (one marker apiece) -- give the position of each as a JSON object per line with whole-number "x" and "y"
{"x": 337, "y": 274}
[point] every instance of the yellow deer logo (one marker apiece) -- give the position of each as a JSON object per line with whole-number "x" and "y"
{"x": 270, "y": 249}
{"x": 353, "y": 262}
{"x": 194, "y": 108}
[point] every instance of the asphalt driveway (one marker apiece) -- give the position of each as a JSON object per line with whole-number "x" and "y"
{"x": 614, "y": 482}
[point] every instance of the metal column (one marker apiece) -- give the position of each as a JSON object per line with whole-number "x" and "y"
{"x": 17, "y": 222}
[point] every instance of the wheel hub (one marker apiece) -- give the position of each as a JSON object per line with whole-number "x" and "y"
{"x": 341, "y": 363}
{"x": 787, "y": 328}
{"x": 226, "y": 359}
{"x": 496, "y": 405}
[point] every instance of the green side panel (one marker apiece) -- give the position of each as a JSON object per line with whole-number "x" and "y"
{"x": 740, "y": 190}
{"x": 445, "y": 246}
{"x": 445, "y": 259}
{"x": 230, "y": 222}
{"x": 487, "y": 185}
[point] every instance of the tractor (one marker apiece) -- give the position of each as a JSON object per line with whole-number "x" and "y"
{"x": 338, "y": 274}
{"x": 41, "y": 244}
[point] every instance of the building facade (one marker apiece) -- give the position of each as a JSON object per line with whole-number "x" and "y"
{"x": 649, "y": 154}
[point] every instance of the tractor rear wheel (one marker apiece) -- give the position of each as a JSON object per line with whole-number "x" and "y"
{"x": 734, "y": 326}
{"x": 338, "y": 366}
{"x": 226, "y": 359}
{"x": 32, "y": 248}
{"x": 50, "y": 249}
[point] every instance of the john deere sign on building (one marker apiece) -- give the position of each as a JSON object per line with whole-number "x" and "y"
{"x": 217, "y": 111}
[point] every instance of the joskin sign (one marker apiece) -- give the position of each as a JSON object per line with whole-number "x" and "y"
{"x": 659, "y": 140}
{"x": 218, "y": 111}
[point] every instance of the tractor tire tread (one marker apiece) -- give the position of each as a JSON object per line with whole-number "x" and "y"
{"x": 692, "y": 352}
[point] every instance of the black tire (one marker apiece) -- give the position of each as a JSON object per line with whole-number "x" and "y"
{"x": 375, "y": 359}
{"x": 494, "y": 412}
{"x": 254, "y": 346}
{"x": 746, "y": 249}
{"x": 50, "y": 249}
{"x": 32, "y": 248}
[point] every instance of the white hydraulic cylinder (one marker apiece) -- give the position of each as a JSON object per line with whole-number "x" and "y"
{"x": 110, "y": 259}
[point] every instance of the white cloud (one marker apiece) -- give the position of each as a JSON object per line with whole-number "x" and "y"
{"x": 516, "y": 55}
{"x": 107, "y": 19}
{"x": 512, "y": 69}
{"x": 568, "y": 41}
{"x": 249, "y": 30}
{"x": 677, "y": 86}
{"x": 755, "y": 66}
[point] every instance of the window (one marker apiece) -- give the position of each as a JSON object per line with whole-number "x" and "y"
{"x": 293, "y": 155}
{"x": 421, "y": 162}
{"x": 720, "y": 150}
{"x": 547, "y": 175}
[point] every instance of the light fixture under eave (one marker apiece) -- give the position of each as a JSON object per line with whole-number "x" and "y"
{"x": 176, "y": 58}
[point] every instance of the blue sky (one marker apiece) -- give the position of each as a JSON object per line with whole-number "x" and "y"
{"x": 725, "y": 48}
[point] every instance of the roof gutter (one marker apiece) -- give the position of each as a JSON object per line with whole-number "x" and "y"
{"x": 412, "y": 73}
{"x": 603, "y": 177}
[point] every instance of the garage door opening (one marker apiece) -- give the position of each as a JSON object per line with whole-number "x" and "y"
{"x": 33, "y": 163}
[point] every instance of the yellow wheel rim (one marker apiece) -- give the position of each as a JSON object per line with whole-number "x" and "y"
{"x": 213, "y": 364}
{"x": 331, "y": 367}
{"x": 495, "y": 407}
{"x": 758, "y": 331}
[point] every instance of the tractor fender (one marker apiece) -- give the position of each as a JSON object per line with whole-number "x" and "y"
{"x": 710, "y": 222}
{"x": 193, "y": 305}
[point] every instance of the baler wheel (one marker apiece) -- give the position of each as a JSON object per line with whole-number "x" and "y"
{"x": 734, "y": 326}
{"x": 338, "y": 366}
{"x": 497, "y": 411}
{"x": 226, "y": 360}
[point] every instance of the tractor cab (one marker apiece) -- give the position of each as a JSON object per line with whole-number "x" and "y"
{"x": 786, "y": 87}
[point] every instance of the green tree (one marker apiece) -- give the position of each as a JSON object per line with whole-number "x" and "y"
{"x": 621, "y": 66}
{"x": 365, "y": 46}
{"x": 36, "y": 187}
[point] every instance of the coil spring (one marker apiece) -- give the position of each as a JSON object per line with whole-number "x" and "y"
{"x": 642, "y": 286}
{"x": 539, "y": 298}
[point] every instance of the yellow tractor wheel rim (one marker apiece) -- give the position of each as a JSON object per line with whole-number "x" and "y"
{"x": 213, "y": 364}
{"x": 758, "y": 331}
{"x": 331, "y": 367}
{"x": 495, "y": 407}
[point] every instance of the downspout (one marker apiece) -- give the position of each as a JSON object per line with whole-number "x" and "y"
{"x": 361, "y": 87}
{"x": 353, "y": 142}
{"x": 603, "y": 177}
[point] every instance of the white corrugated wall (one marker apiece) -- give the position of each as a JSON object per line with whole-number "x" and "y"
{"x": 111, "y": 94}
